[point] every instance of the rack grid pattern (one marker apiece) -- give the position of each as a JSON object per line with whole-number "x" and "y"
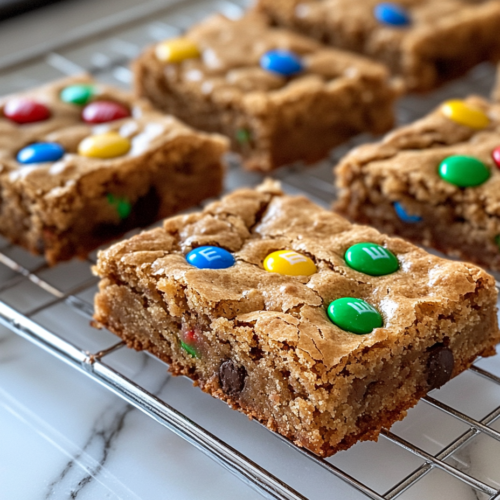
{"x": 29, "y": 289}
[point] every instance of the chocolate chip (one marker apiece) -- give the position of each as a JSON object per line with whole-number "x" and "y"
{"x": 232, "y": 377}
{"x": 440, "y": 366}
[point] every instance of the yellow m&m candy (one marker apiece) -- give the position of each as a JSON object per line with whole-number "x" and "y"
{"x": 465, "y": 114}
{"x": 289, "y": 263}
{"x": 176, "y": 50}
{"x": 107, "y": 145}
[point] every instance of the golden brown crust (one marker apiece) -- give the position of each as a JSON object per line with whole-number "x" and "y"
{"x": 320, "y": 386}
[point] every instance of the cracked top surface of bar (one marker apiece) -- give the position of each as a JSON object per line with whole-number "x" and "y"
{"x": 229, "y": 67}
{"x": 288, "y": 312}
{"x": 146, "y": 129}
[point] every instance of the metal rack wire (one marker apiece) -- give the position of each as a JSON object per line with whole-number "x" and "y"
{"x": 121, "y": 41}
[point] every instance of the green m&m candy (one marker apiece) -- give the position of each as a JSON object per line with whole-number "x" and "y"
{"x": 122, "y": 205}
{"x": 79, "y": 94}
{"x": 354, "y": 315}
{"x": 243, "y": 136}
{"x": 464, "y": 171}
{"x": 190, "y": 350}
{"x": 372, "y": 259}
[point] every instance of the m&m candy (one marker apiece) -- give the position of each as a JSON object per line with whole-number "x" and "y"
{"x": 209, "y": 257}
{"x": 391, "y": 14}
{"x": 354, "y": 315}
{"x": 243, "y": 136}
{"x": 464, "y": 171}
{"x": 282, "y": 62}
{"x": 176, "y": 50}
{"x": 40, "y": 152}
{"x": 25, "y": 111}
{"x": 79, "y": 94}
{"x": 289, "y": 263}
{"x": 189, "y": 343}
{"x": 372, "y": 259}
{"x": 190, "y": 350}
{"x": 404, "y": 215}
{"x": 104, "y": 111}
{"x": 465, "y": 114}
{"x": 122, "y": 205}
{"x": 107, "y": 145}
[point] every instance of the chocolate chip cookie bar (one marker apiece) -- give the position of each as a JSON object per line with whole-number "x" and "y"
{"x": 82, "y": 162}
{"x": 280, "y": 97}
{"x": 426, "y": 42}
{"x": 436, "y": 182}
{"x": 324, "y": 331}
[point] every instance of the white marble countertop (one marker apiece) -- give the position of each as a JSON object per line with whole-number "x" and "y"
{"x": 62, "y": 436}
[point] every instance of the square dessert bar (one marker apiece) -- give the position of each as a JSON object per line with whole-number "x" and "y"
{"x": 324, "y": 331}
{"x": 436, "y": 182}
{"x": 279, "y": 97}
{"x": 426, "y": 42}
{"x": 82, "y": 162}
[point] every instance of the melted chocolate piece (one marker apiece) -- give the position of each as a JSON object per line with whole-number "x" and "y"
{"x": 440, "y": 366}
{"x": 232, "y": 377}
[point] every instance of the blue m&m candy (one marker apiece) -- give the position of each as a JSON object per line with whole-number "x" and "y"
{"x": 210, "y": 258}
{"x": 283, "y": 62}
{"x": 40, "y": 152}
{"x": 404, "y": 215}
{"x": 392, "y": 14}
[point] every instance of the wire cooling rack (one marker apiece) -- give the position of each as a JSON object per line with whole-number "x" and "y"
{"x": 442, "y": 440}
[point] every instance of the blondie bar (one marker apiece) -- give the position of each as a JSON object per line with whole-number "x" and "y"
{"x": 280, "y": 97}
{"x": 82, "y": 162}
{"x": 436, "y": 182}
{"x": 325, "y": 331}
{"x": 426, "y": 42}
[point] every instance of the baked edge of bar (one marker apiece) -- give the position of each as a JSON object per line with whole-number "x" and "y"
{"x": 180, "y": 364}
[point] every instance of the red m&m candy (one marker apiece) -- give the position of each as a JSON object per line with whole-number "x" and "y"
{"x": 189, "y": 343}
{"x": 25, "y": 111}
{"x": 496, "y": 156}
{"x": 104, "y": 111}
{"x": 190, "y": 337}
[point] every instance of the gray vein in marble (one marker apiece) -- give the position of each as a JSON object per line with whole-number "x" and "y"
{"x": 104, "y": 433}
